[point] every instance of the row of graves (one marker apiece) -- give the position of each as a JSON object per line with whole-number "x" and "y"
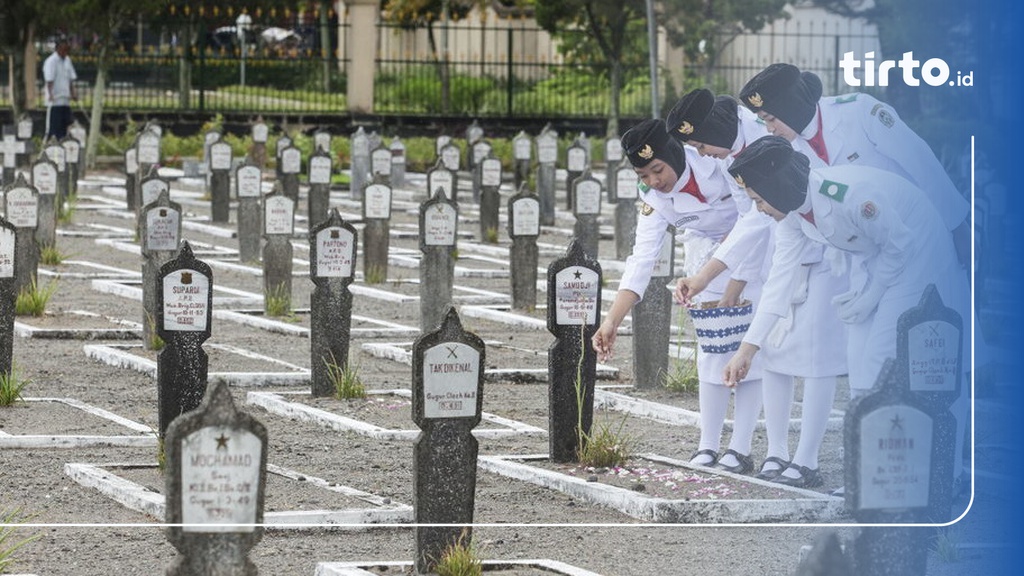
{"x": 382, "y": 278}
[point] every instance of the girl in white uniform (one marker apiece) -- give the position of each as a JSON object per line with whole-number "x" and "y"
{"x": 680, "y": 189}
{"x": 804, "y": 341}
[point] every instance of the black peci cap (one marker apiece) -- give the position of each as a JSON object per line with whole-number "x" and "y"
{"x": 785, "y": 92}
{"x": 777, "y": 173}
{"x": 689, "y": 114}
{"x": 648, "y": 140}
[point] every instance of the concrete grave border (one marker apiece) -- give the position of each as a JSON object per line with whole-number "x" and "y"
{"x": 146, "y": 439}
{"x": 356, "y": 568}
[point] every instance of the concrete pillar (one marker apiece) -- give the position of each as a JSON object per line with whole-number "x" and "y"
{"x": 363, "y": 16}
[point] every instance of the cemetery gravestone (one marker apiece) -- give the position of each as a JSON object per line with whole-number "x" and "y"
{"x": 215, "y": 487}
{"x": 332, "y": 267}
{"x": 576, "y": 163}
{"x": 21, "y": 209}
{"x": 523, "y": 229}
{"x": 8, "y": 294}
{"x": 521, "y": 155}
{"x": 480, "y": 150}
{"x": 220, "y": 181}
{"x": 587, "y": 207}
{"x": 360, "y": 146}
{"x": 24, "y": 130}
{"x": 44, "y": 178}
{"x": 283, "y": 142}
{"x": 148, "y": 145}
{"x": 574, "y": 306}
{"x": 291, "y": 166}
{"x": 278, "y": 229}
{"x": 612, "y": 158}
{"x": 149, "y": 190}
{"x": 159, "y": 233}
{"x": 448, "y": 370}
{"x": 55, "y": 152}
{"x": 451, "y": 157}
{"x": 438, "y": 220}
{"x": 249, "y": 188}
{"x": 377, "y": 217}
{"x": 260, "y": 135}
{"x": 208, "y": 139}
{"x": 397, "y": 162}
{"x": 440, "y": 142}
{"x": 380, "y": 165}
{"x": 319, "y": 196}
{"x": 440, "y": 177}
{"x": 490, "y": 201}
{"x": 547, "y": 154}
{"x": 652, "y": 321}
{"x": 626, "y": 194}
{"x": 131, "y": 175}
{"x": 11, "y": 148}
{"x": 322, "y": 142}
{"x": 473, "y": 135}
{"x": 184, "y": 310}
{"x": 71, "y": 153}
{"x": 80, "y": 134}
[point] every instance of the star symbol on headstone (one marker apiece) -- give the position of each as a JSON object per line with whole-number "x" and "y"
{"x": 222, "y": 442}
{"x": 897, "y": 423}
{"x": 451, "y": 352}
{"x": 577, "y": 274}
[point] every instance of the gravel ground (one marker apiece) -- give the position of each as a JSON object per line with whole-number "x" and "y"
{"x": 517, "y": 520}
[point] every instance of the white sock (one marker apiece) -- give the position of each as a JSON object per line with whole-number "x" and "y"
{"x": 817, "y": 406}
{"x": 745, "y": 412}
{"x": 778, "y": 402}
{"x": 714, "y": 402}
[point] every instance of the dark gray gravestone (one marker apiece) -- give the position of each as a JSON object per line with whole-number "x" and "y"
{"x": 489, "y": 169}
{"x": 586, "y": 194}
{"x": 547, "y": 154}
{"x": 380, "y": 165}
{"x": 319, "y": 196}
{"x": 24, "y": 129}
{"x": 208, "y": 139}
{"x": 220, "y": 181}
{"x": 612, "y": 158}
{"x": 442, "y": 178}
{"x": 291, "y": 166}
{"x": 447, "y": 401}
{"x": 439, "y": 224}
{"x": 576, "y": 163}
{"x": 215, "y": 487}
{"x": 8, "y": 294}
{"x": 652, "y": 322}
{"x": 159, "y": 235}
{"x": 826, "y": 558}
{"x": 148, "y": 155}
{"x": 21, "y": 208}
{"x": 260, "y": 135}
{"x": 359, "y": 144}
{"x": 377, "y": 233}
{"x": 249, "y": 189}
{"x": 150, "y": 188}
{"x": 522, "y": 149}
{"x": 523, "y": 228}
{"x": 283, "y": 142}
{"x": 574, "y": 313}
{"x": 278, "y": 229}
{"x": 44, "y": 178}
{"x": 322, "y": 141}
{"x": 184, "y": 309}
{"x": 131, "y": 175}
{"x": 81, "y": 135}
{"x": 55, "y": 152}
{"x": 71, "y": 153}
{"x": 10, "y": 148}
{"x": 480, "y": 150}
{"x": 626, "y": 193}
{"x": 333, "y": 247}
{"x": 397, "y": 162}
{"x": 451, "y": 157}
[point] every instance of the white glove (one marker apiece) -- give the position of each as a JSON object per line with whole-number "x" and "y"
{"x": 856, "y": 309}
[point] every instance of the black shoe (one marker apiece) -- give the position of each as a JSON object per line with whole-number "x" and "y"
{"x": 772, "y": 474}
{"x": 705, "y": 452}
{"x": 808, "y": 478}
{"x": 744, "y": 463}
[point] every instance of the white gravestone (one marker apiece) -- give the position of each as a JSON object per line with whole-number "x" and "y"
{"x": 378, "y": 201}
{"x": 490, "y": 172}
{"x": 291, "y": 161}
{"x": 149, "y": 148}
{"x": 22, "y": 208}
{"x": 547, "y": 150}
{"x": 335, "y": 253}
{"x": 44, "y": 178}
{"x": 577, "y": 291}
{"x": 441, "y": 178}
{"x": 57, "y": 155}
{"x": 588, "y": 197}
{"x": 450, "y": 157}
{"x": 220, "y": 156}
{"x": 320, "y": 170}
{"x": 220, "y": 473}
{"x": 576, "y": 160}
{"x": 450, "y": 377}
{"x": 521, "y": 148}
{"x": 613, "y": 150}
{"x": 380, "y": 162}
{"x": 626, "y": 182}
{"x": 152, "y": 188}
{"x": 6, "y": 253}
{"x": 162, "y": 226}
{"x": 185, "y": 298}
{"x": 279, "y": 215}
{"x": 933, "y": 349}
{"x": 440, "y": 225}
{"x": 895, "y": 452}
{"x": 260, "y": 133}
{"x": 526, "y": 217}
{"x": 249, "y": 181}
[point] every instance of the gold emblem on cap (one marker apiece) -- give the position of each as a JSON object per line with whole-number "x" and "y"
{"x": 739, "y": 180}
{"x": 686, "y": 128}
{"x": 756, "y": 100}
{"x": 646, "y": 152}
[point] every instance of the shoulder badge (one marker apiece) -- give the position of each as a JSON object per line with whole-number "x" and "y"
{"x": 885, "y": 118}
{"x": 876, "y": 108}
{"x": 755, "y": 100}
{"x": 833, "y": 190}
{"x": 646, "y": 209}
{"x": 846, "y": 98}
{"x": 868, "y": 210}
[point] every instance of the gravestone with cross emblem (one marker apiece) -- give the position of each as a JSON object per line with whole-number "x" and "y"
{"x": 333, "y": 246}
{"x": 219, "y": 183}
{"x": 215, "y": 487}
{"x": 447, "y": 403}
{"x": 21, "y": 209}
{"x": 249, "y": 189}
{"x": 184, "y": 309}
{"x": 10, "y": 149}
{"x": 44, "y": 178}
{"x": 159, "y": 236}
{"x": 359, "y": 144}
{"x": 397, "y": 148}
{"x": 523, "y": 229}
{"x": 318, "y": 198}
{"x": 574, "y": 313}
{"x": 438, "y": 220}
{"x": 377, "y": 231}
{"x": 586, "y": 194}
{"x": 8, "y": 294}
{"x": 652, "y": 321}
{"x": 522, "y": 151}
{"x": 626, "y": 194}
{"x": 547, "y": 155}
{"x": 489, "y": 169}
{"x": 278, "y": 229}
{"x": 577, "y": 161}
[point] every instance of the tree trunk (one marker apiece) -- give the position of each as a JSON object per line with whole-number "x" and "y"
{"x": 96, "y": 114}
{"x": 185, "y": 68}
{"x": 615, "y": 87}
{"x": 325, "y": 45}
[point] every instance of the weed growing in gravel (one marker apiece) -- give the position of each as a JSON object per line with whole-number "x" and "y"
{"x": 491, "y": 236}
{"x": 11, "y": 386}
{"x": 66, "y": 210}
{"x": 277, "y": 302}
{"x": 155, "y": 342}
{"x": 460, "y": 559}
{"x": 606, "y": 448}
{"x": 683, "y": 376}
{"x": 8, "y": 544}
{"x": 32, "y": 300}
{"x": 50, "y": 256}
{"x": 346, "y": 380}
{"x": 947, "y": 545}
{"x": 376, "y": 275}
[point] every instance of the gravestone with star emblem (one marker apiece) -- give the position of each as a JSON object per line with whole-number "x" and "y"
{"x": 159, "y": 235}
{"x": 438, "y": 220}
{"x": 577, "y": 161}
{"x": 652, "y": 321}
{"x": 184, "y": 309}
{"x": 489, "y": 169}
{"x": 447, "y": 402}
{"x": 547, "y": 155}
{"x": 332, "y": 267}
{"x": 377, "y": 231}
{"x": 586, "y": 194}
{"x": 523, "y": 229}
{"x": 626, "y": 194}
{"x": 574, "y": 313}
{"x": 215, "y": 487}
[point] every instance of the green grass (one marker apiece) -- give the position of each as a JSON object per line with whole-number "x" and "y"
{"x": 32, "y": 300}
{"x": 9, "y": 542}
{"x": 376, "y": 274}
{"x": 278, "y": 302}
{"x": 460, "y": 559}
{"x": 491, "y": 236}
{"x": 947, "y": 545}
{"x": 11, "y": 386}
{"x": 682, "y": 377}
{"x": 606, "y": 448}
{"x": 51, "y": 256}
{"x": 66, "y": 210}
{"x": 346, "y": 381}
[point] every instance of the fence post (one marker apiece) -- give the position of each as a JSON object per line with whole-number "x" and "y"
{"x": 202, "y": 66}
{"x": 511, "y": 79}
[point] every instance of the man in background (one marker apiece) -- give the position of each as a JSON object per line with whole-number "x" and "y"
{"x": 59, "y": 74}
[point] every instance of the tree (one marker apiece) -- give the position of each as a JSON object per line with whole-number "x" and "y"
{"x": 19, "y": 22}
